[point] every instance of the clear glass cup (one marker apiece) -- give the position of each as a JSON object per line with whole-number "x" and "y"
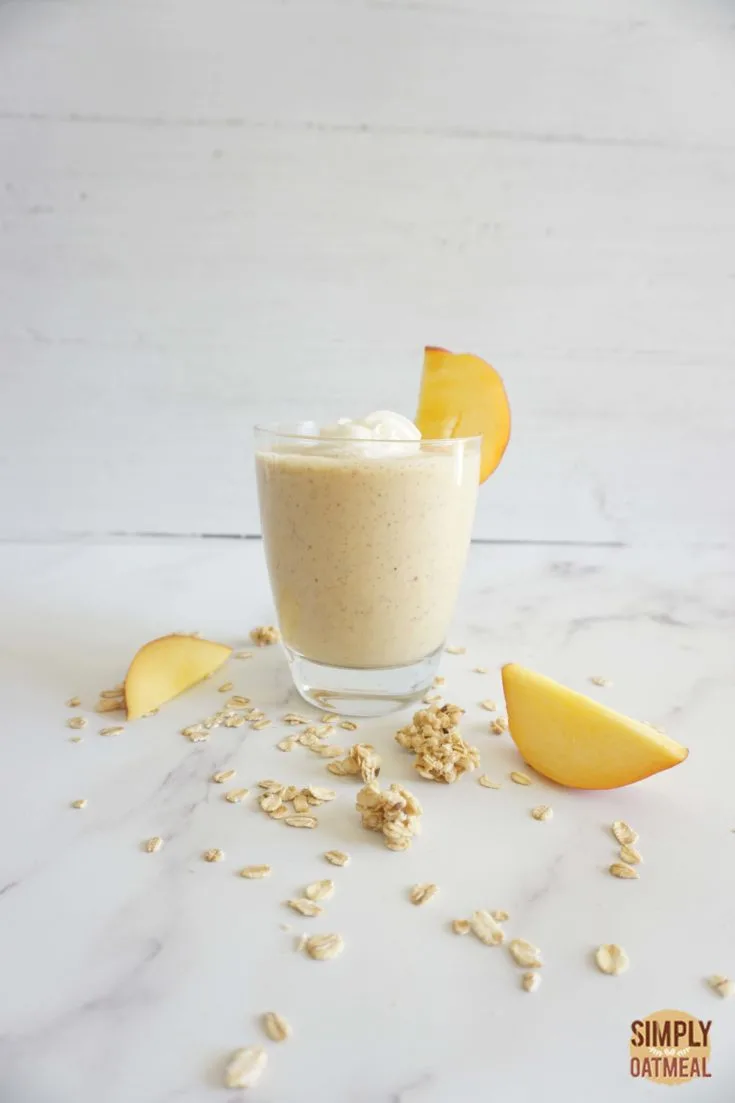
{"x": 365, "y": 544}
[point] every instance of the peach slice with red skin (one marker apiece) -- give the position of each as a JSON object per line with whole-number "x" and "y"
{"x": 463, "y": 396}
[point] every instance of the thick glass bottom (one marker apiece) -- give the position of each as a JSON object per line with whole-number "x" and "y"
{"x": 353, "y": 692}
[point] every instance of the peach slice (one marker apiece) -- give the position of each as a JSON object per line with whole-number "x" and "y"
{"x": 578, "y": 742}
{"x": 463, "y": 396}
{"x": 166, "y": 667}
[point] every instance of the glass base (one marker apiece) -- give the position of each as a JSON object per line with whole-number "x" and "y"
{"x": 352, "y": 692}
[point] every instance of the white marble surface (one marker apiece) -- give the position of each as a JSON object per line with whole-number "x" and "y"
{"x": 129, "y": 977}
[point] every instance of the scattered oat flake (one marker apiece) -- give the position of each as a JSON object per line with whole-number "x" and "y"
{"x": 421, "y": 894}
{"x": 235, "y": 720}
{"x": 222, "y": 776}
{"x": 598, "y": 680}
{"x": 225, "y": 687}
{"x": 154, "y": 844}
{"x": 623, "y": 871}
{"x": 624, "y": 833}
{"x": 116, "y": 691}
{"x": 488, "y": 705}
{"x": 484, "y": 927}
{"x": 328, "y": 717}
{"x": 497, "y": 727}
{"x": 73, "y": 702}
{"x": 611, "y": 959}
{"x": 260, "y": 724}
{"x": 301, "y": 821}
{"x": 270, "y": 801}
{"x": 243, "y": 655}
{"x": 461, "y": 926}
{"x": 525, "y": 954}
{"x": 630, "y": 855}
{"x": 319, "y": 890}
{"x": 82, "y": 803}
{"x": 76, "y": 722}
{"x": 723, "y": 986}
{"x": 348, "y": 725}
{"x": 487, "y": 782}
{"x": 234, "y": 796}
{"x": 500, "y": 916}
{"x": 286, "y": 745}
{"x": 279, "y": 813}
{"x": 276, "y": 1027}
{"x": 323, "y": 947}
{"x": 76, "y": 739}
{"x": 520, "y": 778}
{"x": 438, "y": 680}
{"x": 453, "y": 649}
{"x": 116, "y": 705}
{"x": 530, "y": 981}
{"x": 337, "y": 857}
{"x": 213, "y": 855}
{"x": 542, "y": 812}
{"x": 271, "y": 786}
{"x": 300, "y": 803}
{"x": 321, "y": 793}
{"x": 304, "y": 906}
{"x": 254, "y": 873}
{"x": 245, "y": 1067}
{"x": 237, "y": 702}
{"x": 264, "y": 635}
{"x": 331, "y": 751}
{"x": 112, "y": 731}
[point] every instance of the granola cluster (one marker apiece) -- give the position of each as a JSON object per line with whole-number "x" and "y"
{"x": 395, "y": 812}
{"x": 361, "y": 760}
{"x": 441, "y": 752}
{"x": 265, "y": 634}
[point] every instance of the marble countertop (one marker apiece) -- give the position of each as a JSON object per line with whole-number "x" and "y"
{"x": 129, "y": 977}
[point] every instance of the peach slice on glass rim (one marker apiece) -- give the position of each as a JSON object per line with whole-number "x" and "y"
{"x": 463, "y": 396}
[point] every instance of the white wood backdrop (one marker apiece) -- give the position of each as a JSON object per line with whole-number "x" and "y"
{"x": 219, "y": 211}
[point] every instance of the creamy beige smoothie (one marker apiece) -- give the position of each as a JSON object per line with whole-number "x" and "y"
{"x": 365, "y": 551}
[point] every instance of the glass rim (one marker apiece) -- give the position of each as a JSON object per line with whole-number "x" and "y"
{"x": 274, "y": 428}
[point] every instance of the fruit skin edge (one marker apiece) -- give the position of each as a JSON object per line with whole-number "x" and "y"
{"x": 439, "y": 417}
{"x": 663, "y": 752}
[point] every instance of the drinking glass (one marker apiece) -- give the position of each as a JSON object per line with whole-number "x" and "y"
{"x": 365, "y": 543}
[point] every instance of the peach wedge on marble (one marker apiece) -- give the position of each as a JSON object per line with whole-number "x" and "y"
{"x": 578, "y": 742}
{"x": 164, "y": 668}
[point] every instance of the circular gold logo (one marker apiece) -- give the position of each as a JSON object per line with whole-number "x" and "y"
{"x": 670, "y": 1047}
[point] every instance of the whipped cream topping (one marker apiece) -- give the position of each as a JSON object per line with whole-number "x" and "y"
{"x": 382, "y": 433}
